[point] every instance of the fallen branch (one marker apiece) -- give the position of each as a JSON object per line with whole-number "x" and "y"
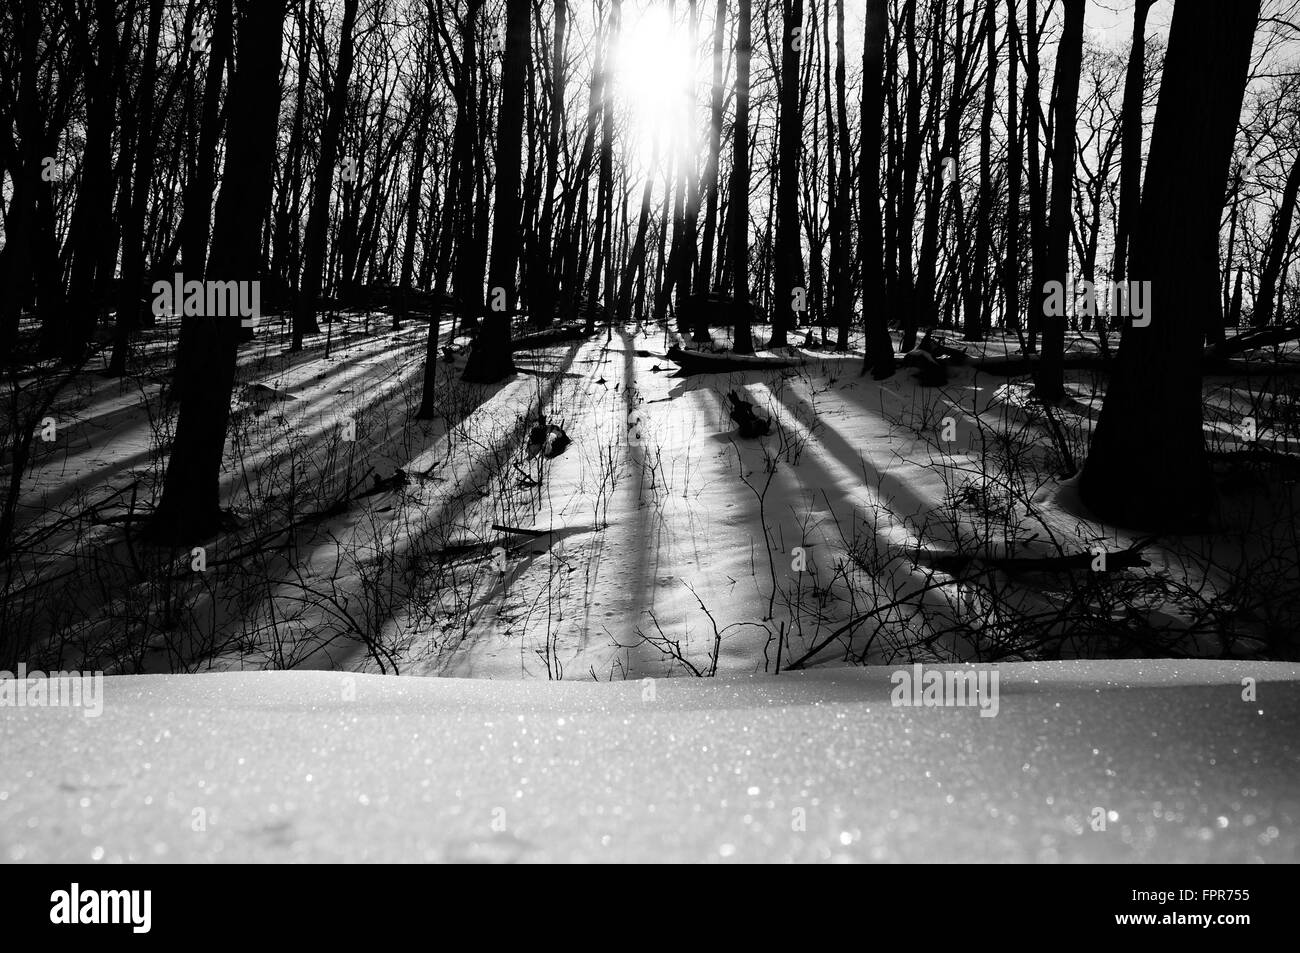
{"x": 699, "y": 362}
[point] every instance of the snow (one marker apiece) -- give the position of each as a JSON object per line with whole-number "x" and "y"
{"x": 661, "y": 555}
{"x": 815, "y": 766}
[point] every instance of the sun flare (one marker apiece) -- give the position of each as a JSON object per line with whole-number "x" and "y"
{"x": 654, "y": 67}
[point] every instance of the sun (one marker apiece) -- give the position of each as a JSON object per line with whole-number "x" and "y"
{"x": 654, "y": 80}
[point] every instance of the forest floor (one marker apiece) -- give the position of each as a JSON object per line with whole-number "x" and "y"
{"x": 874, "y": 523}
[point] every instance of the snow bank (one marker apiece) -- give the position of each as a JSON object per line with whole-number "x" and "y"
{"x": 326, "y": 766}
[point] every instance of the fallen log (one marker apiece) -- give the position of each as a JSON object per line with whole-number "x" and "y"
{"x": 560, "y": 335}
{"x": 957, "y": 564}
{"x": 1252, "y": 339}
{"x": 701, "y": 362}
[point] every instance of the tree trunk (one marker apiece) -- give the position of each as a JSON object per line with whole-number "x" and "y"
{"x": 743, "y": 342}
{"x": 490, "y": 360}
{"x": 413, "y": 191}
{"x": 20, "y": 219}
{"x": 842, "y": 227}
{"x": 1011, "y": 269}
{"x": 787, "y": 270}
{"x": 313, "y": 262}
{"x": 128, "y": 305}
{"x": 1037, "y": 200}
{"x": 878, "y": 346}
{"x": 190, "y": 507}
{"x": 546, "y": 287}
{"x": 978, "y": 291}
{"x": 1130, "y": 168}
{"x": 197, "y": 222}
{"x": 1147, "y": 467}
{"x": 1049, "y": 379}
{"x": 1277, "y": 247}
{"x": 89, "y": 232}
{"x": 702, "y": 273}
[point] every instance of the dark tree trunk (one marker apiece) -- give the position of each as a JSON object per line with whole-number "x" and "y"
{"x": 604, "y": 179}
{"x": 20, "y": 219}
{"x": 1147, "y": 467}
{"x": 1037, "y": 198}
{"x": 743, "y": 343}
{"x": 413, "y": 190}
{"x": 979, "y": 286}
{"x": 904, "y": 299}
{"x": 1011, "y": 270}
{"x": 842, "y": 227}
{"x": 635, "y": 272}
{"x": 546, "y": 287}
{"x": 1130, "y": 167}
{"x": 190, "y": 507}
{"x": 313, "y": 261}
{"x": 1049, "y": 379}
{"x": 702, "y": 273}
{"x": 788, "y": 255}
{"x": 197, "y": 222}
{"x": 1275, "y": 257}
{"x": 133, "y": 252}
{"x": 468, "y": 282}
{"x": 879, "y": 347}
{"x": 490, "y": 359}
{"x": 90, "y": 229}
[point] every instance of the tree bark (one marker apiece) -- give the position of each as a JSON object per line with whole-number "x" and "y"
{"x": 313, "y": 263}
{"x": 743, "y": 342}
{"x": 1049, "y": 378}
{"x": 490, "y": 360}
{"x": 788, "y": 264}
{"x": 1147, "y": 467}
{"x": 190, "y": 507}
{"x": 1011, "y": 269}
{"x": 1130, "y": 168}
{"x": 1275, "y": 256}
{"x": 878, "y": 346}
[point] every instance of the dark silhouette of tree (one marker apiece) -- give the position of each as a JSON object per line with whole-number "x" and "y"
{"x": 1280, "y": 241}
{"x": 1147, "y": 466}
{"x": 711, "y": 178}
{"x": 879, "y": 346}
{"x": 1015, "y": 172}
{"x": 788, "y": 263}
{"x": 743, "y": 343}
{"x": 90, "y": 238}
{"x": 190, "y": 506}
{"x": 490, "y": 360}
{"x": 313, "y": 265}
{"x": 1049, "y": 378}
{"x": 1130, "y": 169}
{"x": 133, "y": 251}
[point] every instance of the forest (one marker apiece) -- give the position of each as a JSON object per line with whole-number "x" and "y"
{"x": 605, "y": 339}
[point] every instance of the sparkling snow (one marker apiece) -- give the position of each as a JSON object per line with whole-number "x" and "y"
{"x": 327, "y": 766}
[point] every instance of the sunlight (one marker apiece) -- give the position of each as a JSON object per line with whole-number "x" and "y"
{"x": 653, "y": 68}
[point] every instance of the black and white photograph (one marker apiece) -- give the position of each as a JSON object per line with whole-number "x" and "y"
{"x": 650, "y": 432}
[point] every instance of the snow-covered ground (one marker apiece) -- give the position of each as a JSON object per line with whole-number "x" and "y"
{"x": 667, "y": 544}
{"x": 816, "y": 766}
{"x": 556, "y": 597}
